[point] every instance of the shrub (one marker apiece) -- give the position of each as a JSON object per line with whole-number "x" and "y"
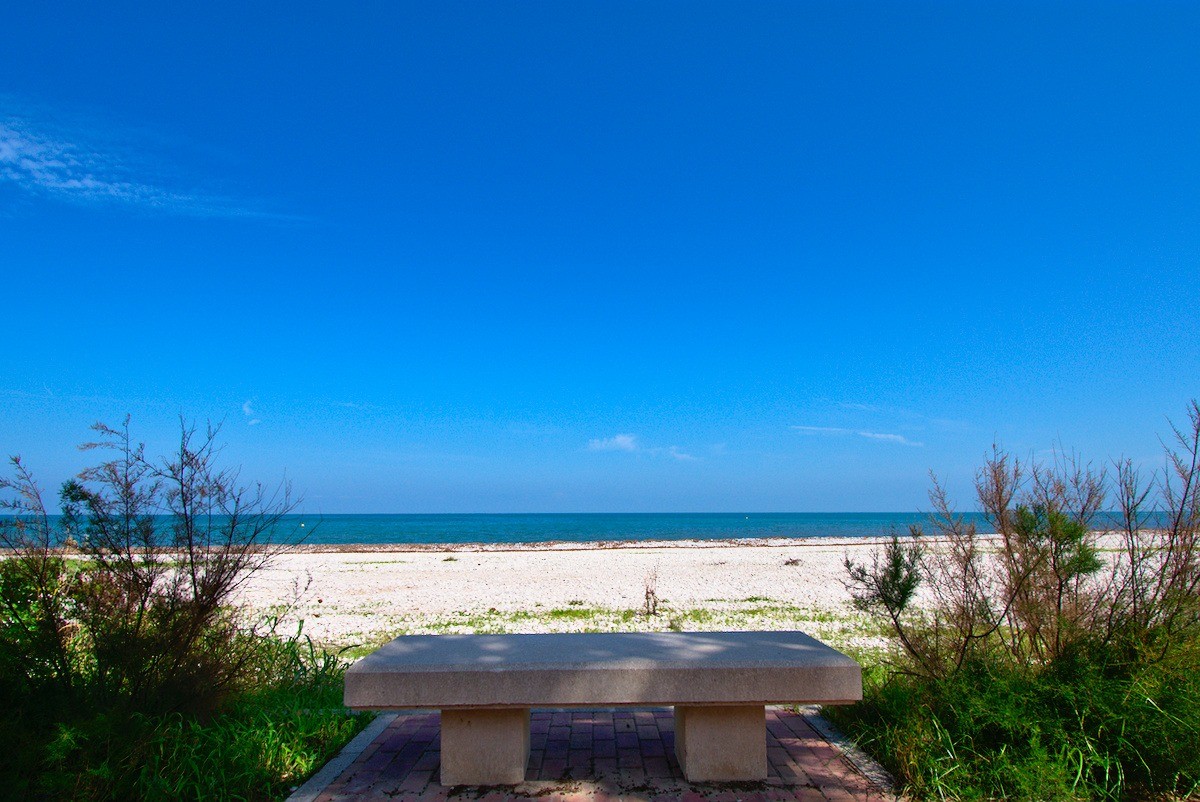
{"x": 1033, "y": 664}
{"x": 125, "y": 668}
{"x": 263, "y": 741}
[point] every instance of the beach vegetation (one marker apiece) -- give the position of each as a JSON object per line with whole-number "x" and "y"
{"x": 650, "y": 596}
{"x": 126, "y": 669}
{"x": 849, "y": 630}
{"x": 1035, "y": 664}
{"x": 570, "y": 614}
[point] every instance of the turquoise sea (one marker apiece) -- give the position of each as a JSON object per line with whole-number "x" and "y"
{"x": 388, "y": 529}
{"x": 583, "y": 527}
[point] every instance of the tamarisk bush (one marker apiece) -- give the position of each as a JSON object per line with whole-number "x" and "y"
{"x": 141, "y": 618}
{"x": 1058, "y": 658}
{"x": 1041, "y": 591}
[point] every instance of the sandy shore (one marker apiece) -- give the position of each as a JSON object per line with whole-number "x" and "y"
{"x": 368, "y": 595}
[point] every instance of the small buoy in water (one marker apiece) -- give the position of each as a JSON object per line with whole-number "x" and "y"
{"x": 302, "y": 524}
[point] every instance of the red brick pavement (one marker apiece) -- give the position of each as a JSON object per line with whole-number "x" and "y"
{"x": 603, "y": 755}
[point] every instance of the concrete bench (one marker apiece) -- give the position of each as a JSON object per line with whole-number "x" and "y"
{"x": 718, "y": 682}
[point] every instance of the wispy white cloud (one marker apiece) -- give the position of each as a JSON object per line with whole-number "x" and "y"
{"x": 86, "y": 162}
{"x": 360, "y": 406}
{"x": 889, "y": 438}
{"x": 821, "y": 430}
{"x": 902, "y": 414}
{"x": 629, "y": 443}
{"x": 618, "y": 442}
{"x": 674, "y": 452}
{"x": 885, "y": 437}
{"x": 860, "y": 407}
{"x": 251, "y": 415}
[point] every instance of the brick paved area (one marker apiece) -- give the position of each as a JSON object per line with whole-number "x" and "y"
{"x": 603, "y": 755}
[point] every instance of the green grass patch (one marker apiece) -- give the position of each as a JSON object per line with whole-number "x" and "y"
{"x": 846, "y": 629}
{"x": 272, "y": 734}
{"x": 1078, "y": 730}
{"x": 253, "y": 751}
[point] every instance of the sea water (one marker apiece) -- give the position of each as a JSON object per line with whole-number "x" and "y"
{"x": 584, "y": 527}
{"x": 500, "y": 528}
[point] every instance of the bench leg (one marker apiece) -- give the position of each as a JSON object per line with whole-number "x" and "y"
{"x": 721, "y": 744}
{"x": 485, "y": 746}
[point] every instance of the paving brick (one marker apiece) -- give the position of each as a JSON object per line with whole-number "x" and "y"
{"x": 778, "y": 728}
{"x": 635, "y": 776}
{"x": 653, "y": 748}
{"x": 602, "y": 756}
{"x": 417, "y": 780}
{"x": 428, "y": 761}
{"x": 794, "y": 722}
{"x": 809, "y": 795}
{"x": 629, "y": 758}
{"x": 837, "y": 794}
{"x": 358, "y": 785}
{"x": 392, "y": 741}
{"x": 626, "y": 739}
{"x": 605, "y": 765}
{"x": 379, "y": 760}
{"x": 657, "y": 767}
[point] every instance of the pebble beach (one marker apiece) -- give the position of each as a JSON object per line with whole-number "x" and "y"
{"x": 348, "y": 595}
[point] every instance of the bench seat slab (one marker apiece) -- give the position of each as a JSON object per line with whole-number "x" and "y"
{"x": 485, "y": 746}
{"x": 602, "y": 670}
{"x": 721, "y": 743}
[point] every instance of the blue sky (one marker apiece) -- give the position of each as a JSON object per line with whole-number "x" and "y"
{"x": 601, "y": 256}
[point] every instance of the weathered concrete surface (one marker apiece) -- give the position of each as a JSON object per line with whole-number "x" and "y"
{"x": 484, "y": 747}
{"x": 485, "y": 684}
{"x": 721, "y": 743}
{"x": 577, "y": 669}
